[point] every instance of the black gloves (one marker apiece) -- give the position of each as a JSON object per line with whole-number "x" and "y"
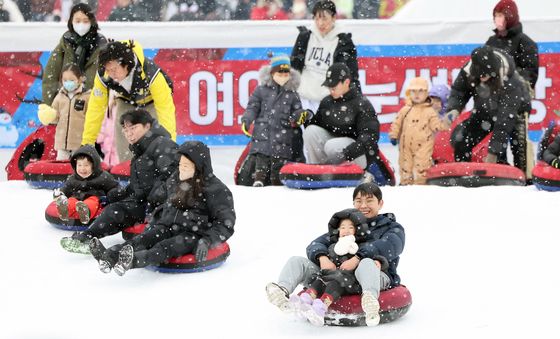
{"x": 394, "y": 142}
{"x": 555, "y": 162}
{"x": 245, "y": 128}
{"x": 201, "y": 251}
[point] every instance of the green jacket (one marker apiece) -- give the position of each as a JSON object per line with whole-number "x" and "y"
{"x": 63, "y": 54}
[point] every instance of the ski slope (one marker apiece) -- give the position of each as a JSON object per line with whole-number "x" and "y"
{"x": 480, "y": 263}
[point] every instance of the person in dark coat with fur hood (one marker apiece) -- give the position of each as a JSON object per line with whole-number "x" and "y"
{"x": 83, "y": 192}
{"x": 153, "y": 162}
{"x": 275, "y": 110}
{"x": 499, "y": 94}
{"x": 318, "y": 48}
{"x": 385, "y": 238}
{"x": 509, "y": 37}
{"x": 197, "y": 215}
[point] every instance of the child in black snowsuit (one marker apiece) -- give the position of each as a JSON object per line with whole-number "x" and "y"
{"x": 85, "y": 190}
{"x": 275, "y": 110}
{"x": 197, "y": 215}
{"x": 552, "y": 153}
{"x": 347, "y": 229}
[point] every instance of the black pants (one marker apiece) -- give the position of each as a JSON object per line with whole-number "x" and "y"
{"x": 115, "y": 218}
{"x": 154, "y": 246}
{"x": 470, "y": 133}
{"x": 267, "y": 169}
{"x": 336, "y": 283}
{"x": 519, "y": 143}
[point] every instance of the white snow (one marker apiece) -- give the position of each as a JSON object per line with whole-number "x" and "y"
{"x": 480, "y": 263}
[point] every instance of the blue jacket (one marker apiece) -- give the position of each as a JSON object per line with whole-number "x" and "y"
{"x": 386, "y": 238}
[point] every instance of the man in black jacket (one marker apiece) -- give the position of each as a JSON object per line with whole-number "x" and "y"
{"x": 345, "y": 127}
{"x": 153, "y": 162}
{"x": 499, "y": 94}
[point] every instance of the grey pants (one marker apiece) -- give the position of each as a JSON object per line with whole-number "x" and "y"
{"x": 299, "y": 270}
{"x": 321, "y": 144}
{"x": 121, "y": 143}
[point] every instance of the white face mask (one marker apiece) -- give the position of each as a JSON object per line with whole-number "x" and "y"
{"x": 81, "y": 28}
{"x": 280, "y": 79}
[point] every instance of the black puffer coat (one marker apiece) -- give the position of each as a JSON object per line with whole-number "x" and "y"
{"x": 523, "y": 49}
{"x": 272, "y": 109}
{"x": 353, "y": 116}
{"x": 99, "y": 183}
{"x": 213, "y": 214}
{"x": 385, "y": 238}
{"x": 153, "y": 162}
{"x": 502, "y": 107}
{"x": 552, "y": 151}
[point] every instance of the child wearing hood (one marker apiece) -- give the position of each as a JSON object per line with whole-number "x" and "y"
{"x": 347, "y": 230}
{"x": 414, "y": 129}
{"x": 438, "y": 96}
{"x": 68, "y": 112}
{"x": 275, "y": 110}
{"x": 197, "y": 215}
{"x": 86, "y": 189}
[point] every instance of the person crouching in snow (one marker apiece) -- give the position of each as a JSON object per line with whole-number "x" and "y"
{"x": 347, "y": 229}
{"x": 197, "y": 215}
{"x": 275, "y": 110}
{"x": 83, "y": 192}
{"x": 68, "y": 112}
{"x": 414, "y": 129}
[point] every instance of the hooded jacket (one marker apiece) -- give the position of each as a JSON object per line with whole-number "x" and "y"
{"x": 153, "y": 161}
{"x": 70, "y": 118}
{"x": 68, "y": 51}
{"x": 385, "y": 238}
{"x": 149, "y": 85}
{"x": 312, "y": 56}
{"x": 552, "y": 151}
{"x": 272, "y": 109}
{"x": 502, "y": 106}
{"x": 98, "y": 184}
{"x": 353, "y": 116}
{"x": 213, "y": 214}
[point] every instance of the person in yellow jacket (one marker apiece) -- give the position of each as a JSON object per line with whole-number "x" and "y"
{"x": 414, "y": 129}
{"x": 138, "y": 82}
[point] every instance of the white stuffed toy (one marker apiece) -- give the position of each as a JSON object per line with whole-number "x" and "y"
{"x": 346, "y": 245}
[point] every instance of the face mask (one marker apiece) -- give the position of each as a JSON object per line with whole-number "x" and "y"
{"x": 280, "y": 80}
{"x": 70, "y": 85}
{"x": 81, "y": 28}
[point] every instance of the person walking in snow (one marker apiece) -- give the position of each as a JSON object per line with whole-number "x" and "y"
{"x": 317, "y": 49}
{"x": 275, "y": 110}
{"x": 347, "y": 231}
{"x": 84, "y": 191}
{"x": 385, "y": 237}
{"x": 500, "y": 95}
{"x": 79, "y": 45}
{"x": 197, "y": 215}
{"x": 509, "y": 37}
{"x": 345, "y": 127}
{"x": 153, "y": 162}
{"x": 413, "y": 129}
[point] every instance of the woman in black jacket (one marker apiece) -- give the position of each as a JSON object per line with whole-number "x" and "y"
{"x": 197, "y": 215}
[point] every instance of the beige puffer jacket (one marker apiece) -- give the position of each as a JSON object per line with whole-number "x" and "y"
{"x": 70, "y": 118}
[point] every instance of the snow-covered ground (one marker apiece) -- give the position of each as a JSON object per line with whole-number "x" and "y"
{"x": 480, "y": 263}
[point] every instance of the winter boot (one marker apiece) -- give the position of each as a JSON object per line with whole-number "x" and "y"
{"x": 370, "y": 305}
{"x": 126, "y": 255}
{"x": 260, "y": 177}
{"x": 316, "y": 314}
{"x": 97, "y": 250}
{"x": 278, "y": 296}
{"x": 77, "y": 243}
{"x": 300, "y": 304}
{"x": 83, "y": 212}
{"x": 62, "y": 207}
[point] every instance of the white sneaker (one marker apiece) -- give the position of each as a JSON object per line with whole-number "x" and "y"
{"x": 370, "y": 305}
{"x": 258, "y": 183}
{"x": 278, "y": 296}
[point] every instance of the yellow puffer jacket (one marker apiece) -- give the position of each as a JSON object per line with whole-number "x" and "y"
{"x": 159, "y": 92}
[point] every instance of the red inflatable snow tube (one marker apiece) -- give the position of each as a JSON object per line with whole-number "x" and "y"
{"x": 73, "y": 224}
{"x": 217, "y": 255}
{"x": 546, "y": 177}
{"x": 474, "y": 174}
{"x": 39, "y": 145}
{"x": 347, "y": 311}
